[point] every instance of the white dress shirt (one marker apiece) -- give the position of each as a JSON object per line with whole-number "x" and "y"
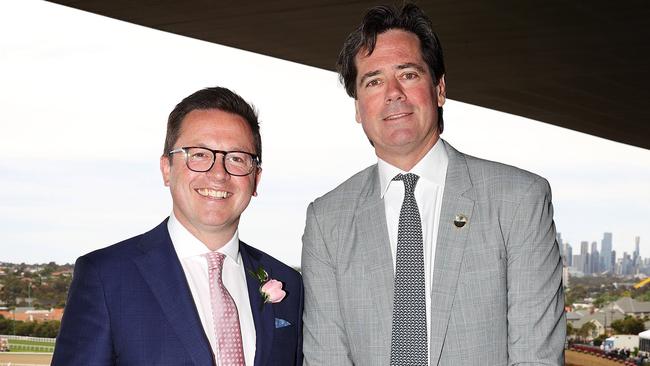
{"x": 191, "y": 251}
{"x": 432, "y": 170}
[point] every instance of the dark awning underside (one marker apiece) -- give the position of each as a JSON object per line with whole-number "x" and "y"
{"x": 582, "y": 65}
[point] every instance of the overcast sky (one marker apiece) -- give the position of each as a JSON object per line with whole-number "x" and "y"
{"x": 84, "y": 101}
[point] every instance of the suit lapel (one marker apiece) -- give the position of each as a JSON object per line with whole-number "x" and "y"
{"x": 374, "y": 248}
{"x": 263, "y": 315}
{"x": 161, "y": 269}
{"x": 458, "y": 198}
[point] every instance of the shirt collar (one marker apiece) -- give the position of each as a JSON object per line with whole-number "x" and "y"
{"x": 187, "y": 245}
{"x": 432, "y": 167}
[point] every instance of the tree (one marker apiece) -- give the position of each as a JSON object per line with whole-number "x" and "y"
{"x": 25, "y": 328}
{"x": 575, "y": 294}
{"x": 599, "y": 340}
{"x": 52, "y": 292}
{"x": 586, "y": 330}
{"x": 628, "y": 325}
{"x": 13, "y": 288}
{"x": 6, "y": 325}
{"x": 47, "y": 329}
{"x": 605, "y": 298}
{"x": 48, "y": 269}
{"x": 643, "y": 294}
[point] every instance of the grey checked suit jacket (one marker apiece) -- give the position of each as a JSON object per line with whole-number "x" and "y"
{"x": 497, "y": 295}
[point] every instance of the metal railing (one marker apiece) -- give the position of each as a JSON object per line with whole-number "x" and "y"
{"x": 17, "y": 347}
{"x": 31, "y": 339}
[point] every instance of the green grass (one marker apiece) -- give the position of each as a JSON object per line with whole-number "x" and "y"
{"x": 30, "y": 346}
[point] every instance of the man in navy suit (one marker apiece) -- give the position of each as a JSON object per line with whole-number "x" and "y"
{"x": 149, "y": 300}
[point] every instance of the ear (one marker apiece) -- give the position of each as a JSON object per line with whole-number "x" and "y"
{"x": 165, "y": 169}
{"x": 258, "y": 175}
{"x": 441, "y": 91}
{"x": 357, "y": 115}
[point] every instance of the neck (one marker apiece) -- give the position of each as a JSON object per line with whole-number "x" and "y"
{"x": 212, "y": 237}
{"x": 406, "y": 159}
{"x": 214, "y": 242}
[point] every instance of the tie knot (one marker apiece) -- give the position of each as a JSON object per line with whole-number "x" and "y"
{"x": 409, "y": 179}
{"x": 215, "y": 260}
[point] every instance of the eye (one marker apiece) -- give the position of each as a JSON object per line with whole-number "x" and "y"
{"x": 238, "y": 158}
{"x": 235, "y": 159}
{"x": 410, "y": 75}
{"x": 198, "y": 155}
{"x": 373, "y": 82}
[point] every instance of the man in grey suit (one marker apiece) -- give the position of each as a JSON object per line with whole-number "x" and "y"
{"x": 466, "y": 246}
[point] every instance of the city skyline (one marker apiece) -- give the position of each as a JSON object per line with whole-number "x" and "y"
{"x": 591, "y": 242}
{"x": 561, "y": 243}
{"x": 85, "y": 99}
{"x": 588, "y": 259}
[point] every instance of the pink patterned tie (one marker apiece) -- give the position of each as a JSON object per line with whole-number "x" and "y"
{"x": 224, "y": 313}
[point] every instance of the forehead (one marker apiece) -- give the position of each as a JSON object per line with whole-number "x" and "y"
{"x": 393, "y": 47}
{"x": 213, "y": 125}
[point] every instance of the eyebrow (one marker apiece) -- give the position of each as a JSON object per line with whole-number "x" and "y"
{"x": 403, "y": 66}
{"x": 409, "y": 65}
{"x": 232, "y": 148}
{"x": 368, "y": 75}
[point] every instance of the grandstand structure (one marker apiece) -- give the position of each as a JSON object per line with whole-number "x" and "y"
{"x": 578, "y": 65}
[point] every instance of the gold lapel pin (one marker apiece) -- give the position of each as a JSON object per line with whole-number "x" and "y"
{"x": 460, "y": 220}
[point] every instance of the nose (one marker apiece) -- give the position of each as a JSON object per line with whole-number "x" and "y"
{"x": 394, "y": 91}
{"x": 218, "y": 169}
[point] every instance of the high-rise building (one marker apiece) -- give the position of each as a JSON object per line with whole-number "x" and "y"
{"x": 565, "y": 249}
{"x": 594, "y": 258}
{"x": 636, "y": 256}
{"x": 565, "y": 277}
{"x": 568, "y": 254}
{"x": 627, "y": 267}
{"x": 606, "y": 252}
{"x": 585, "y": 266}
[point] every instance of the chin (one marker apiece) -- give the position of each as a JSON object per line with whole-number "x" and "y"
{"x": 402, "y": 142}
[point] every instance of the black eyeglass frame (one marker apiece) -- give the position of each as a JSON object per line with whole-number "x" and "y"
{"x": 256, "y": 161}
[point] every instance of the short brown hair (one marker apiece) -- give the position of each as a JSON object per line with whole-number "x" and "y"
{"x": 378, "y": 20}
{"x": 212, "y": 98}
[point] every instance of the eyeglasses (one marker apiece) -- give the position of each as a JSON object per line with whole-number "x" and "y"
{"x": 201, "y": 159}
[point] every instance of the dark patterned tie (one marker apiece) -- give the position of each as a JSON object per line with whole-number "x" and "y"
{"x": 409, "y": 335}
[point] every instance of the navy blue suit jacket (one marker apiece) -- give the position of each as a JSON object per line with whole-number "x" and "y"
{"x": 130, "y": 304}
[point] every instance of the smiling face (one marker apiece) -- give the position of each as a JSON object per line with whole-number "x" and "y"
{"x": 209, "y": 204}
{"x": 397, "y": 100}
